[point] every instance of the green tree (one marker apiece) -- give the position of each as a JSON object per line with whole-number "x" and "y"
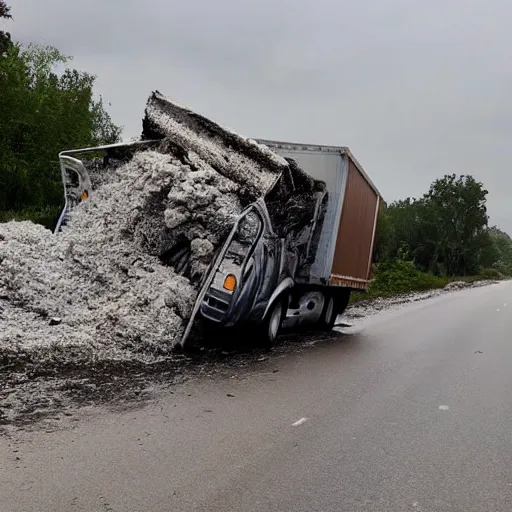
{"x": 382, "y": 244}
{"x": 5, "y": 37}
{"x": 456, "y": 215}
{"x": 42, "y": 113}
{"x": 406, "y": 236}
{"x": 497, "y": 251}
{"x": 445, "y": 232}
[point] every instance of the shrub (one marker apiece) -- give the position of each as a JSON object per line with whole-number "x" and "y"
{"x": 397, "y": 276}
{"x": 491, "y": 273}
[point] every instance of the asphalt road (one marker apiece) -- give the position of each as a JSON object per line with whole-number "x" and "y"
{"x": 410, "y": 411}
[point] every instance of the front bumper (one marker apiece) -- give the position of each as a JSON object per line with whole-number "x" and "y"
{"x": 216, "y": 306}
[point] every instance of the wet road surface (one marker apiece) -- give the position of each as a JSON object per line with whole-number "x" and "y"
{"x": 408, "y": 411}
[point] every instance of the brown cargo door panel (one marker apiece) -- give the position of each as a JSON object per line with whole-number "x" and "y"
{"x": 356, "y": 231}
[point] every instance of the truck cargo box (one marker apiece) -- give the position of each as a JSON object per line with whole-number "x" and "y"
{"x": 345, "y": 248}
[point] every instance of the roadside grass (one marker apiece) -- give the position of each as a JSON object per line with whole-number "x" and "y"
{"x": 400, "y": 277}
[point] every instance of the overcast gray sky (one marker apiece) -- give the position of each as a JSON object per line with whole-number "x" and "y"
{"x": 416, "y": 88}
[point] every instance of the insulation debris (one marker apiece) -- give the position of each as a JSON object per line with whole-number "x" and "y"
{"x": 119, "y": 281}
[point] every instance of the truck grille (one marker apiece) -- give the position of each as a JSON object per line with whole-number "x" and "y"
{"x": 216, "y": 303}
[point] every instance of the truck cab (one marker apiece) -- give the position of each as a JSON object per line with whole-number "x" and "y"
{"x": 251, "y": 271}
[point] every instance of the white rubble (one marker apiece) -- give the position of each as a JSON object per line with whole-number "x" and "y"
{"x": 101, "y": 276}
{"x": 368, "y": 308}
{"x": 202, "y": 136}
{"x": 103, "y": 289}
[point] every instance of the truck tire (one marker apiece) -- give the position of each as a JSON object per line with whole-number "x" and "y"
{"x": 329, "y": 314}
{"x": 335, "y": 305}
{"x": 272, "y": 323}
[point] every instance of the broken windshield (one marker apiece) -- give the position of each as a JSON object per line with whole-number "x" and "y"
{"x": 246, "y": 235}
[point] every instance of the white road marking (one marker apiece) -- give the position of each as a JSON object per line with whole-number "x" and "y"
{"x": 497, "y": 310}
{"x": 299, "y": 422}
{"x": 505, "y": 305}
{"x": 443, "y": 408}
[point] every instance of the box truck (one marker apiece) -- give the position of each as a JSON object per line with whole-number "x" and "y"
{"x": 303, "y": 243}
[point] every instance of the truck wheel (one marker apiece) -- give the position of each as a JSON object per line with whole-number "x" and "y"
{"x": 272, "y": 323}
{"x": 335, "y": 305}
{"x": 329, "y": 314}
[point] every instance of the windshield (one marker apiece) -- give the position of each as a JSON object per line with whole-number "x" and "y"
{"x": 246, "y": 235}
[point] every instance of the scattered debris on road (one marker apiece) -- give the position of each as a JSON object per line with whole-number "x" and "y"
{"x": 365, "y": 308}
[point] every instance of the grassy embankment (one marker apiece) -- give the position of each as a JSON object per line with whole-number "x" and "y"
{"x": 400, "y": 277}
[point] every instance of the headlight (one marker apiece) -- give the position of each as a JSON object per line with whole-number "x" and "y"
{"x": 230, "y": 282}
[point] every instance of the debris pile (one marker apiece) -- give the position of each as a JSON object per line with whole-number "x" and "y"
{"x": 457, "y": 285}
{"x": 119, "y": 281}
